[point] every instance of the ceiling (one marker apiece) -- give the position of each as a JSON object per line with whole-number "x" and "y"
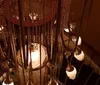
{"x": 92, "y": 31}
{"x": 91, "y": 34}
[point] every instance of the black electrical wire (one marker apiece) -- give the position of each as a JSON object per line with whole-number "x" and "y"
{"x": 80, "y": 26}
{"x": 84, "y": 27}
{"x": 97, "y": 81}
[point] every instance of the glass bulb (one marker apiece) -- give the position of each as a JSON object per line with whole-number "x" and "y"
{"x": 35, "y": 55}
{"x": 1, "y": 28}
{"x": 66, "y": 30}
{"x": 79, "y": 40}
{"x": 1, "y": 78}
{"x": 80, "y": 56}
{"x": 71, "y": 74}
{"x": 7, "y": 84}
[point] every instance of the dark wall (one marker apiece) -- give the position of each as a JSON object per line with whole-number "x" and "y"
{"x": 91, "y": 35}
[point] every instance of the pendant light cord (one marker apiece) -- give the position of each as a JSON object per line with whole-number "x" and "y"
{"x": 79, "y": 28}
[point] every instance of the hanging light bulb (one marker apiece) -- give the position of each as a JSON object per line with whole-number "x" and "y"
{"x": 71, "y": 72}
{"x": 79, "y": 54}
{"x": 79, "y": 40}
{"x": 67, "y": 30}
{"x": 8, "y": 81}
{"x": 35, "y": 55}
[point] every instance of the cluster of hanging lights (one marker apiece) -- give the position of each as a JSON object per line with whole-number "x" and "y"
{"x": 37, "y": 53}
{"x": 71, "y": 71}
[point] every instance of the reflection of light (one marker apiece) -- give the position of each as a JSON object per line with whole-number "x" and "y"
{"x": 1, "y": 78}
{"x": 17, "y": 17}
{"x": 1, "y": 28}
{"x": 71, "y": 74}
{"x": 55, "y": 21}
{"x": 80, "y": 56}
{"x": 8, "y": 84}
{"x": 67, "y": 30}
{"x": 33, "y": 16}
{"x": 35, "y": 55}
{"x": 30, "y": 15}
{"x": 79, "y": 40}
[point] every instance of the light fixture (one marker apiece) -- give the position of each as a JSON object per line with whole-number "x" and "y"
{"x": 79, "y": 54}
{"x": 7, "y": 83}
{"x": 67, "y": 30}
{"x": 34, "y": 54}
{"x": 71, "y": 72}
{"x": 8, "y": 80}
{"x": 79, "y": 40}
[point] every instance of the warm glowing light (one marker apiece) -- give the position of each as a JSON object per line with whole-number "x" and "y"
{"x": 33, "y": 16}
{"x": 79, "y": 40}
{"x": 8, "y": 84}
{"x": 35, "y": 55}
{"x": 80, "y": 56}
{"x": 67, "y": 30}
{"x": 71, "y": 74}
{"x": 1, "y": 28}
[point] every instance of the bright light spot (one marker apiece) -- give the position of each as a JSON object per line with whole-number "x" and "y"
{"x": 30, "y": 15}
{"x": 33, "y": 16}
{"x": 72, "y": 74}
{"x": 80, "y": 56}
{"x": 8, "y": 84}
{"x": 55, "y": 21}
{"x": 35, "y": 55}
{"x": 66, "y": 30}
{"x": 1, "y": 28}
{"x": 79, "y": 40}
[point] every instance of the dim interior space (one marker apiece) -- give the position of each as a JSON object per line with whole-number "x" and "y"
{"x": 49, "y": 42}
